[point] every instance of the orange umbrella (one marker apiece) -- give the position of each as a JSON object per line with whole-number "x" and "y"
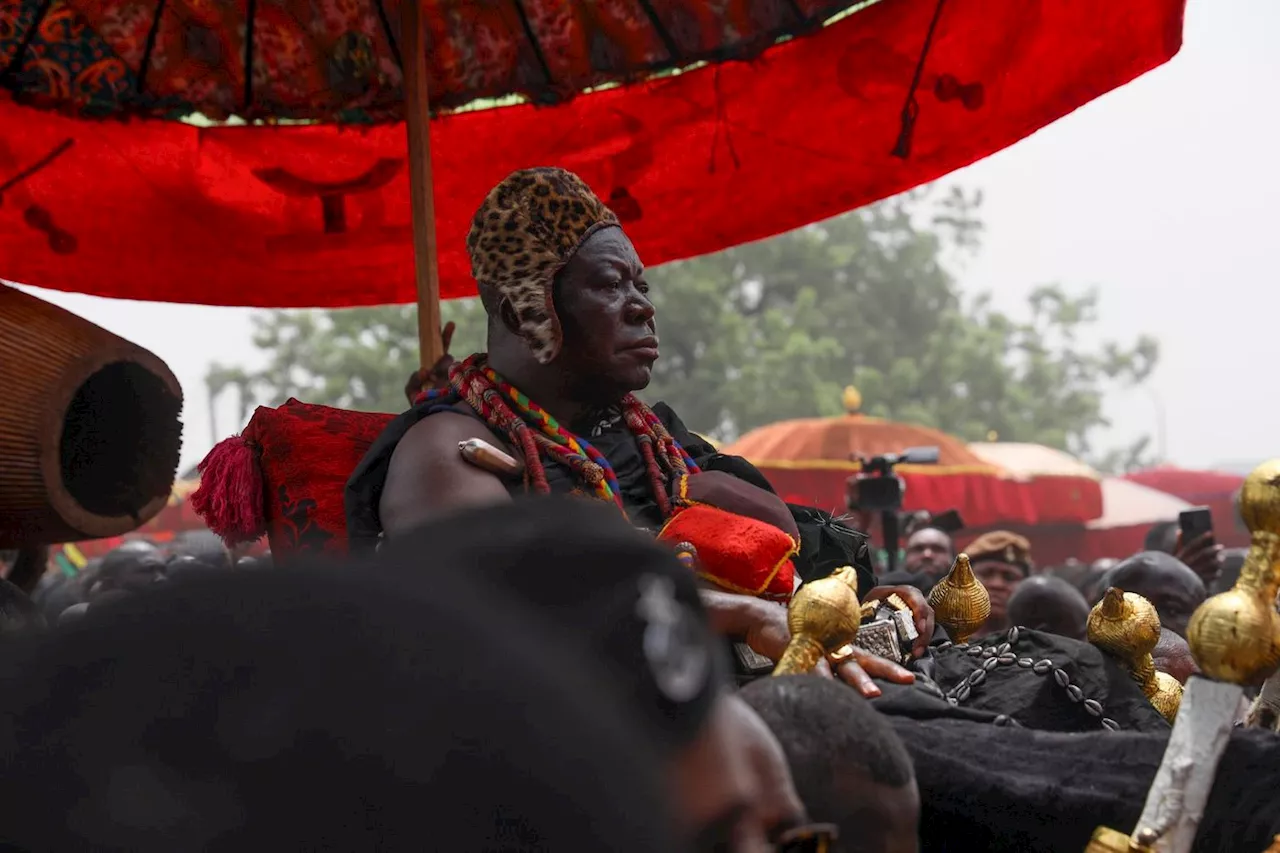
{"x": 810, "y": 460}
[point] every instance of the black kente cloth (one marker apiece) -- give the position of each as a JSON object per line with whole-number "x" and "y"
{"x": 1013, "y": 790}
{"x": 825, "y": 544}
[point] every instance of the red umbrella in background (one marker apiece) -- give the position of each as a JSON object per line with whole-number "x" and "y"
{"x": 1214, "y": 489}
{"x": 1128, "y": 510}
{"x": 809, "y": 461}
{"x": 817, "y": 120}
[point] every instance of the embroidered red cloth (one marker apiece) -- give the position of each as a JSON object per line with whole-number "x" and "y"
{"x": 307, "y": 454}
{"x": 693, "y": 163}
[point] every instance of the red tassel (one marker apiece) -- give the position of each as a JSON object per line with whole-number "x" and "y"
{"x": 230, "y": 495}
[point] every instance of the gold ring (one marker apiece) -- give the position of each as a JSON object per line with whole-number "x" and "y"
{"x": 841, "y": 654}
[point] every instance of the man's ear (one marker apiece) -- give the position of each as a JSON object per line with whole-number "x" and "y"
{"x": 507, "y": 315}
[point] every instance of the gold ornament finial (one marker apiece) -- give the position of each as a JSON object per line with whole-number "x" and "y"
{"x": 1126, "y": 626}
{"x": 823, "y": 616}
{"x": 960, "y": 602}
{"x": 852, "y": 400}
{"x": 1235, "y": 635}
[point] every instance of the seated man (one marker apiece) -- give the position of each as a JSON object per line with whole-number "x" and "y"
{"x": 571, "y": 336}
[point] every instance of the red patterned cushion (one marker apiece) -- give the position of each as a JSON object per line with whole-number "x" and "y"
{"x": 307, "y": 454}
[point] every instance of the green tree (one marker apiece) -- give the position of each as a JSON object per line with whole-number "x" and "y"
{"x": 775, "y": 329}
{"x": 354, "y": 358}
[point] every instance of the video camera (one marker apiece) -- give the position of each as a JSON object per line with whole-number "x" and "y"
{"x": 876, "y": 488}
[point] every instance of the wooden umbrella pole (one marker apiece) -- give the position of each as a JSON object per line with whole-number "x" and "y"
{"x": 421, "y": 193}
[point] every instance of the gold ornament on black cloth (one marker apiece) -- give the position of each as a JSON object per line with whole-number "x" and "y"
{"x": 960, "y": 602}
{"x": 1126, "y": 626}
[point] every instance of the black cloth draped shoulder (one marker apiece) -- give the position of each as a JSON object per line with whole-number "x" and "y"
{"x": 825, "y": 543}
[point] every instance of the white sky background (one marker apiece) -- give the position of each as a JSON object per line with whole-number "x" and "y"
{"x": 1163, "y": 194}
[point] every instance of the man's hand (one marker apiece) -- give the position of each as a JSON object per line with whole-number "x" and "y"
{"x": 1202, "y": 555}
{"x": 920, "y": 611}
{"x": 858, "y": 669}
{"x": 767, "y": 634}
{"x": 437, "y": 375}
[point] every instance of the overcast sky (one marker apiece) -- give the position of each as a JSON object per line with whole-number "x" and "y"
{"x": 1163, "y": 194}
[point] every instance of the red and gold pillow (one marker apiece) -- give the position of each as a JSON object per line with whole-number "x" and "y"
{"x": 744, "y": 537}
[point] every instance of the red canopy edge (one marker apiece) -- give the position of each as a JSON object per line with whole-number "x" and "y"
{"x": 319, "y": 216}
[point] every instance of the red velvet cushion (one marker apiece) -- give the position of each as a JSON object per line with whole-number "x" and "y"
{"x": 735, "y": 552}
{"x": 308, "y": 453}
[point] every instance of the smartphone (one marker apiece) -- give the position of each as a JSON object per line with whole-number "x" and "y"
{"x": 1194, "y": 523}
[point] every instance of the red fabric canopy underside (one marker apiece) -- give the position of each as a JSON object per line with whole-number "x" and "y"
{"x": 692, "y": 163}
{"x": 982, "y": 499}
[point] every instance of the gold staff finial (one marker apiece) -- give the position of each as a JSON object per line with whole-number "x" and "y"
{"x": 823, "y": 616}
{"x": 1126, "y": 626}
{"x": 960, "y": 602}
{"x": 852, "y": 400}
{"x": 1235, "y": 639}
{"x": 1235, "y": 635}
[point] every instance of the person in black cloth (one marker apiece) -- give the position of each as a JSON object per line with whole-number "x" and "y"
{"x": 636, "y": 608}
{"x": 571, "y": 335}
{"x": 319, "y": 710}
{"x": 848, "y": 763}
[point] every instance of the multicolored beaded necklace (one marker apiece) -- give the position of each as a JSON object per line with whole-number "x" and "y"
{"x": 531, "y": 428}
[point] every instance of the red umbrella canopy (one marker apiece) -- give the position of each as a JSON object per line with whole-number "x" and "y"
{"x": 898, "y": 93}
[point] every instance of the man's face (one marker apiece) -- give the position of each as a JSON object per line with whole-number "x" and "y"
{"x": 1000, "y": 579}
{"x": 610, "y": 337}
{"x": 929, "y": 552}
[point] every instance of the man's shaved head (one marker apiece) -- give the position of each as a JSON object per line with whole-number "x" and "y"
{"x": 1047, "y": 603}
{"x": 849, "y": 765}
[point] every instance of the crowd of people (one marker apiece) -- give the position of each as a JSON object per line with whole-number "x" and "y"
{"x": 556, "y": 631}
